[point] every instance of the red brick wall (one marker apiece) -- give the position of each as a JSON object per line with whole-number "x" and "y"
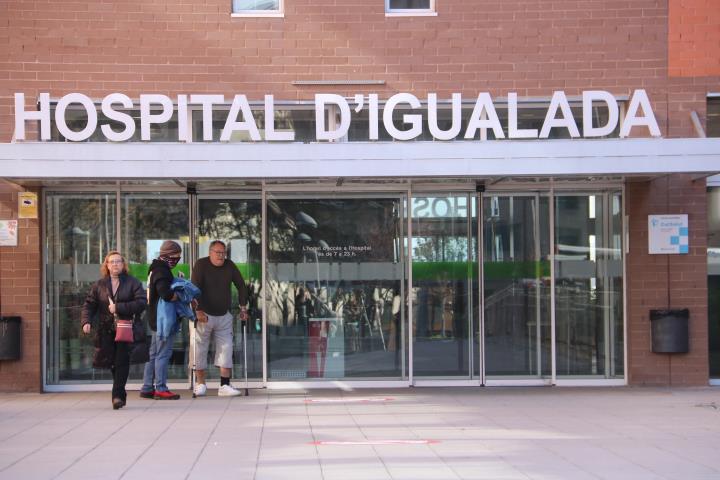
{"x": 694, "y": 38}
{"x": 195, "y": 46}
{"x": 20, "y": 295}
{"x": 650, "y": 287}
{"x": 686, "y": 95}
{"x": 530, "y": 47}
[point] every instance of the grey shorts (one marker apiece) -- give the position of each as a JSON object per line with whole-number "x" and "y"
{"x": 219, "y": 328}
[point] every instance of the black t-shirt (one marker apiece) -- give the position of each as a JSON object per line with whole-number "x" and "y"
{"x": 214, "y": 284}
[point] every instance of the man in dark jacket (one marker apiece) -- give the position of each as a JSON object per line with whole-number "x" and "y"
{"x": 159, "y": 286}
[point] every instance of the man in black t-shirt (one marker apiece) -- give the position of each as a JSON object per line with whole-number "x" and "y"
{"x": 215, "y": 275}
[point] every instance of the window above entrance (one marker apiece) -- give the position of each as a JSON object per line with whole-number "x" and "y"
{"x": 410, "y": 7}
{"x": 254, "y": 8}
{"x": 713, "y": 116}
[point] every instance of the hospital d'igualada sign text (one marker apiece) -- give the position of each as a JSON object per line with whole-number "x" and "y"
{"x": 158, "y": 109}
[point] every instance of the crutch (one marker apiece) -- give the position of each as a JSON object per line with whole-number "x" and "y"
{"x": 192, "y": 340}
{"x": 194, "y": 355}
{"x": 244, "y": 326}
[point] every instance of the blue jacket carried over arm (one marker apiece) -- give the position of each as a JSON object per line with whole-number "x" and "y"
{"x": 168, "y": 313}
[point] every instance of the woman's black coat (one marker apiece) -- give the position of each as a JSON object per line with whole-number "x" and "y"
{"x": 130, "y": 301}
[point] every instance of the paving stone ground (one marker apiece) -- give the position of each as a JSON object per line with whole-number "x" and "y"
{"x": 416, "y": 433}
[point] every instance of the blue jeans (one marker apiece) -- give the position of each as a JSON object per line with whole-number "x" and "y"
{"x": 156, "y": 369}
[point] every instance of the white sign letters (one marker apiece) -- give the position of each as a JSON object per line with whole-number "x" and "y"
{"x": 156, "y": 109}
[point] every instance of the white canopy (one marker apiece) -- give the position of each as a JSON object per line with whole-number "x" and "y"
{"x": 49, "y": 160}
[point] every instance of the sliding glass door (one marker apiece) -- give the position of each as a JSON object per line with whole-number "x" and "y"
{"x": 335, "y": 283}
{"x": 336, "y": 302}
{"x": 444, "y": 285}
{"x": 146, "y": 221}
{"x": 589, "y": 285}
{"x": 713, "y": 267}
{"x": 80, "y": 230}
{"x": 516, "y": 238}
{"x": 238, "y": 223}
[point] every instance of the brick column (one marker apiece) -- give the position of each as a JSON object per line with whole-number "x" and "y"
{"x": 21, "y": 295}
{"x": 649, "y": 286}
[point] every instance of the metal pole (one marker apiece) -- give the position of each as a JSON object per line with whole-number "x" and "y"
{"x": 245, "y": 369}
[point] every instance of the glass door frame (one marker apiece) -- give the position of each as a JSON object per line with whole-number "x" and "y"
{"x": 405, "y": 193}
{"x": 475, "y": 356}
{"x": 326, "y": 191}
{"x": 117, "y": 192}
{"x": 45, "y": 316}
{"x": 608, "y": 328}
{"x": 536, "y": 195}
{"x": 552, "y": 191}
{"x": 713, "y": 198}
{"x": 195, "y": 199}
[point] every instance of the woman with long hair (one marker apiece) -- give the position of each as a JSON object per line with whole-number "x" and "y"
{"x": 116, "y": 295}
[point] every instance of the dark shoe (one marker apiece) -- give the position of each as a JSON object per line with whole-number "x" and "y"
{"x": 166, "y": 395}
{"x": 149, "y": 395}
{"x": 117, "y": 403}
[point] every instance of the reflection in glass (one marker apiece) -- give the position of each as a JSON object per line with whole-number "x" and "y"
{"x": 237, "y": 222}
{"x": 147, "y": 220}
{"x": 80, "y": 231}
{"x": 714, "y": 273}
{"x": 334, "y": 276}
{"x": 529, "y": 117}
{"x": 443, "y": 281}
{"x": 614, "y": 273}
{"x": 712, "y": 117}
{"x": 255, "y": 5}
{"x": 76, "y": 120}
{"x": 298, "y": 120}
{"x": 517, "y": 280}
{"x": 588, "y": 285}
{"x": 409, "y": 4}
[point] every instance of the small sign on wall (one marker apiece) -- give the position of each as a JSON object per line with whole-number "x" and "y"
{"x": 8, "y": 233}
{"x": 27, "y": 205}
{"x": 668, "y": 234}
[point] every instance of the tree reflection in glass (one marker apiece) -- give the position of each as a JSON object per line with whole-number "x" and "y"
{"x": 334, "y": 278}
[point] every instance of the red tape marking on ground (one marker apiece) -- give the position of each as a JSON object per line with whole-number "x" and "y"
{"x": 348, "y": 400}
{"x": 377, "y": 442}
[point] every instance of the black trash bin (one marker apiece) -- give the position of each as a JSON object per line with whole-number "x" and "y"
{"x": 10, "y": 338}
{"x": 669, "y": 330}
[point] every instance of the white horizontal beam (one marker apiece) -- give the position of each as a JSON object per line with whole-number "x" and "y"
{"x": 359, "y": 159}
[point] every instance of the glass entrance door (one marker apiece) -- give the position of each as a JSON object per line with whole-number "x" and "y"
{"x": 334, "y": 284}
{"x": 237, "y": 222}
{"x": 516, "y": 238}
{"x": 80, "y": 230}
{"x": 589, "y": 285}
{"x": 335, "y": 294}
{"x": 444, "y": 285}
{"x": 146, "y": 220}
{"x": 713, "y": 266}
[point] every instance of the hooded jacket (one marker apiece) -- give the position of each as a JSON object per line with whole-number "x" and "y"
{"x": 160, "y": 280}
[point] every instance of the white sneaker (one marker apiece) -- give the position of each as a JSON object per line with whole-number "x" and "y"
{"x": 228, "y": 391}
{"x": 200, "y": 390}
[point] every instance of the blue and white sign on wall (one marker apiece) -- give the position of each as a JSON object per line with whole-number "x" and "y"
{"x": 668, "y": 234}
